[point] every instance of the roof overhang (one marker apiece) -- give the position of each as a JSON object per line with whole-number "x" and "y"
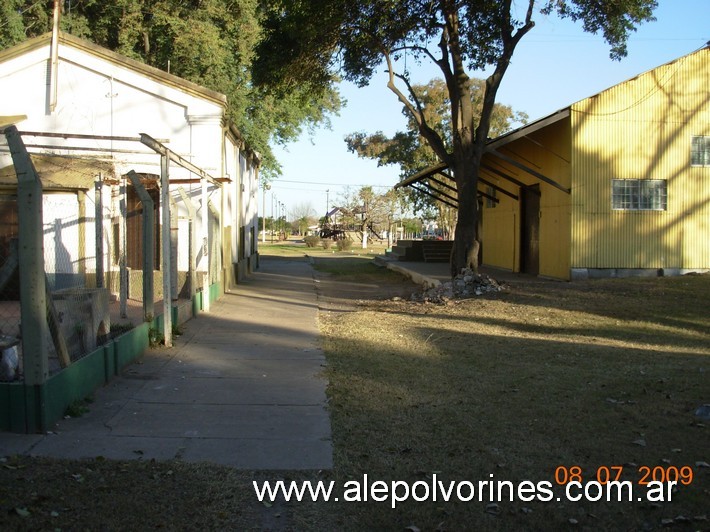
{"x": 61, "y": 172}
{"x": 426, "y": 180}
{"x": 6, "y": 121}
{"x": 527, "y": 129}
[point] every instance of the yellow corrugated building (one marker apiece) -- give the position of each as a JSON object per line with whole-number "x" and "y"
{"x": 616, "y": 184}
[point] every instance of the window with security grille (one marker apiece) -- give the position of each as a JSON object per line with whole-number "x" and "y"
{"x": 639, "y": 194}
{"x": 700, "y": 151}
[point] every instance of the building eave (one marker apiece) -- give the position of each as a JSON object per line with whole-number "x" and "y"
{"x": 115, "y": 58}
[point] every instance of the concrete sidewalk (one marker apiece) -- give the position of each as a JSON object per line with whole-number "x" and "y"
{"x": 241, "y": 387}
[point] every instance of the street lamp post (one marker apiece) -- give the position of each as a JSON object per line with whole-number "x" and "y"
{"x": 273, "y": 202}
{"x": 266, "y": 187}
{"x": 278, "y": 214}
{"x": 283, "y": 219}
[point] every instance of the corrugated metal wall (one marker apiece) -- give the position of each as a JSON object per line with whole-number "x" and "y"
{"x": 546, "y": 151}
{"x": 642, "y": 129}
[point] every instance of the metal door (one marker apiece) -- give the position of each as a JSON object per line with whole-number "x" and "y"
{"x": 530, "y": 230}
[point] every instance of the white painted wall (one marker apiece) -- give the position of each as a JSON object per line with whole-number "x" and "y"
{"x": 99, "y": 95}
{"x": 61, "y": 233}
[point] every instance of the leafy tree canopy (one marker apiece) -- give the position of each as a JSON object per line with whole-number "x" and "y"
{"x": 408, "y": 149}
{"x": 209, "y": 42}
{"x": 412, "y": 153}
{"x": 307, "y": 41}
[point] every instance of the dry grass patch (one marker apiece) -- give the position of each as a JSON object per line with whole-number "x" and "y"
{"x": 590, "y": 374}
{"x": 513, "y": 384}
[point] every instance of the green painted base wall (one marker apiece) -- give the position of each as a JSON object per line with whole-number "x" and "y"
{"x": 33, "y": 409}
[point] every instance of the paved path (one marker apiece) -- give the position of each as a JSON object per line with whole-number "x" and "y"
{"x": 241, "y": 387}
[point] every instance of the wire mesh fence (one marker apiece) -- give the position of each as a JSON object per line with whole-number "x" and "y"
{"x": 102, "y": 254}
{"x": 10, "y": 363}
{"x": 9, "y": 305}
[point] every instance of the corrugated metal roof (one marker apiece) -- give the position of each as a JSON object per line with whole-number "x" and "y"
{"x": 62, "y": 172}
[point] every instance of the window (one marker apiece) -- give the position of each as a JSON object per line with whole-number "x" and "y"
{"x": 700, "y": 151}
{"x": 639, "y": 194}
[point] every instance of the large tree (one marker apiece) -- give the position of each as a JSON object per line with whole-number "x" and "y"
{"x": 210, "y": 42}
{"x": 410, "y": 151}
{"x": 308, "y": 41}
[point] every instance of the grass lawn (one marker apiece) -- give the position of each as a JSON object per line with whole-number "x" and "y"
{"x": 521, "y": 385}
{"x": 295, "y": 247}
{"x": 512, "y": 387}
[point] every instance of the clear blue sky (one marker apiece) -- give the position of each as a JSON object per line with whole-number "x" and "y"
{"x": 555, "y": 65}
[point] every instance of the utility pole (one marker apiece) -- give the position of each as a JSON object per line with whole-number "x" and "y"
{"x": 278, "y": 214}
{"x": 264, "y": 188}
{"x": 273, "y": 202}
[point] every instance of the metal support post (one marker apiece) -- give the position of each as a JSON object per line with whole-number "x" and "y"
{"x": 33, "y": 291}
{"x": 148, "y": 246}
{"x": 166, "y": 241}
{"x": 99, "y": 231}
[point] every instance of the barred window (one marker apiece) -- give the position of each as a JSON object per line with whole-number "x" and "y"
{"x": 700, "y": 151}
{"x": 639, "y": 194}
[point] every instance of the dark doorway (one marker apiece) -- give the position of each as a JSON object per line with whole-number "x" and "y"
{"x": 480, "y": 231}
{"x": 134, "y": 226}
{"x": 530, "y": 230}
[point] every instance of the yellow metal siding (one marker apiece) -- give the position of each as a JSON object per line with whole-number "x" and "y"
{"x": 546, "y": 151}
{"x": 554, "y": 203}
{"x": 500, "y": 234}
{"x": 642, "y": 129}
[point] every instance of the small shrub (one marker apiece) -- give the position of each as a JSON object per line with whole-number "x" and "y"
{"x": 311, "y": 241}
{"x": 344, "y": 245}
{"x": 327, "y": 243}
{"x": 155, "y": 338}
{"x": 78, "y": 408}
{"x": 177, "y": 329}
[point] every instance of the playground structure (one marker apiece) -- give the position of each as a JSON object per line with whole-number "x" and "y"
{"x": 333, "y": 231}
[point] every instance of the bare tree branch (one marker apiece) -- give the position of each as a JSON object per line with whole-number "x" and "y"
{"x": 415, "y": 109}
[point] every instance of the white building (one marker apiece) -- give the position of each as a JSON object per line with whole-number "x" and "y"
{"x": 97, "y": 103}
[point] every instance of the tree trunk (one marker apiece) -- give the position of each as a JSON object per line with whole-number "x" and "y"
{"x": 466, "y": 240}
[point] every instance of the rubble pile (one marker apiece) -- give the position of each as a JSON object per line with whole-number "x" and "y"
{"x": 464, "y": 285}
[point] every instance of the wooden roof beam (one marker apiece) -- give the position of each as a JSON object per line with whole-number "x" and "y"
{"x": 440, "y": 193}
{"x": 174, "y": 157}
{"x": 528, "y": 170}
{"x": 439, "y": 182}
{"x": 496, "y": 187}
{"x": 421, "y": 175}
{"x": 500, "y": 173}
{"x": 415, "y": 187}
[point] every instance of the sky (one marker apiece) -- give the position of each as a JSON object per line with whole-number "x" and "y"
{"x": 554, "y": 65}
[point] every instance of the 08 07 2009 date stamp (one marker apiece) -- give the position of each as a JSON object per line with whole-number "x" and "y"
{"x": 613, "y": 482}
{"x": 643, "y": 475}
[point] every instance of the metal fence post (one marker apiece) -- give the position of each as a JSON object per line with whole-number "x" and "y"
{"x": 148, "y": 246}
{"x": 206, "y": 251}
{"x": 174, "y": 245}
{"x": 33, "y": 292}
{"x": 166, "y": 241}
{"x": 123, "y": 248}
{"x": 99, "y": 231}
{"x": 192, "y": 248}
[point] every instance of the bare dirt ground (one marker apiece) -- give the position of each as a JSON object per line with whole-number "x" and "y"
{"x": 522, "y": 385}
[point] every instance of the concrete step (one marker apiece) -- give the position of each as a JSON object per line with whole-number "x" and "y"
{"x": 437, "y": 250}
